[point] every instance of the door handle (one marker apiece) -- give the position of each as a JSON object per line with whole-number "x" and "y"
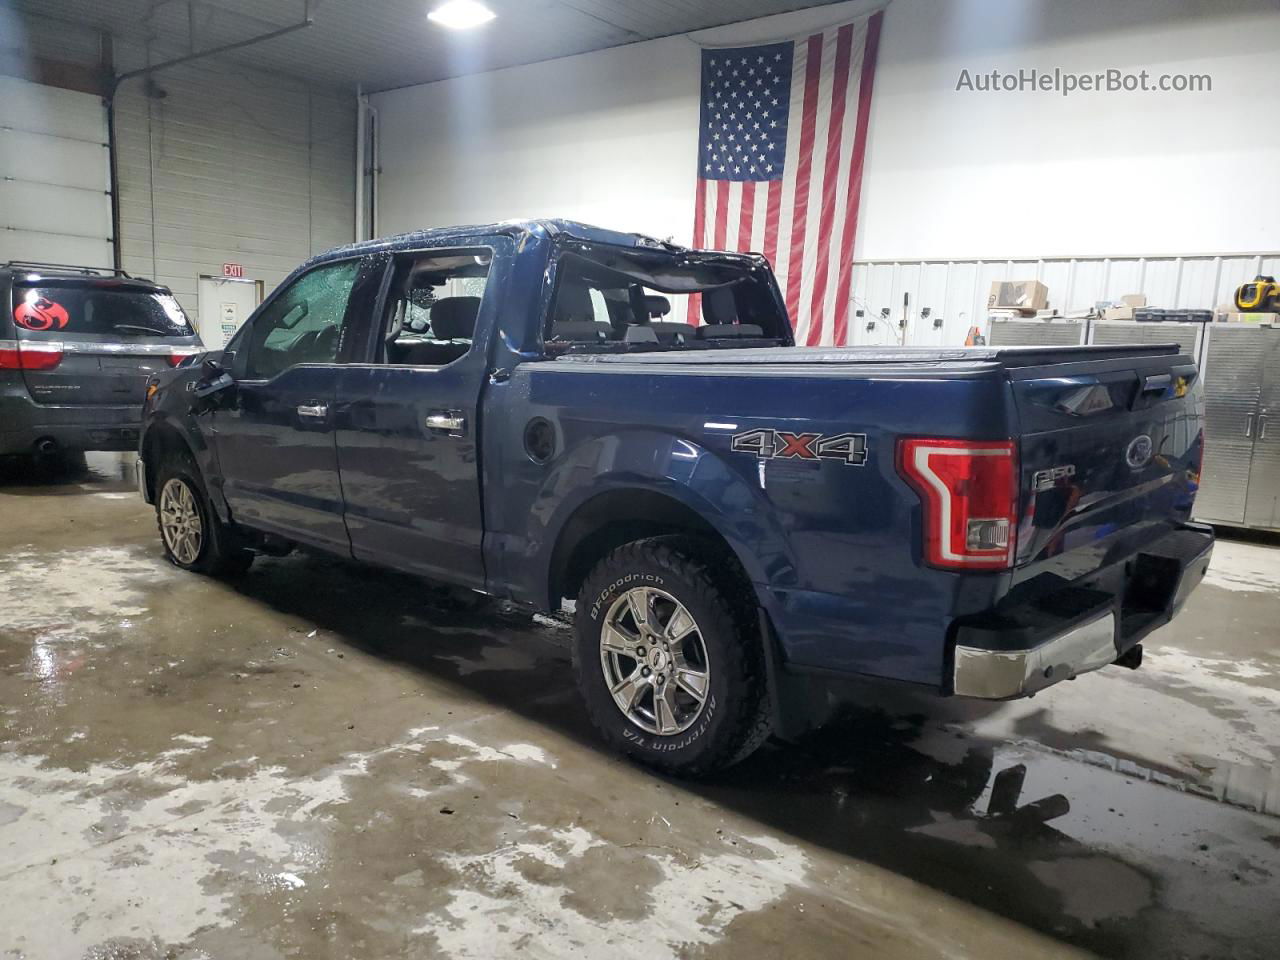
{"x": 1248, "y": 425}
{"x": 452, "y": 421}
{"x": 314, "y": 410}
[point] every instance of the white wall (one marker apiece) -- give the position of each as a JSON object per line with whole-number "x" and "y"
{"x": 231, "y": 166}
{"x": 1037, "y": 174}
{"x": 609, "y": 137}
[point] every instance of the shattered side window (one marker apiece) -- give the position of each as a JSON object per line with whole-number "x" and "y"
{"x": 304, "y": 323}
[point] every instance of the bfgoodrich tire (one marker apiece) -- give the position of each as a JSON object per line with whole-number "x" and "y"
{"x": 193, "y": 537}
{"x": 668, "y": 658}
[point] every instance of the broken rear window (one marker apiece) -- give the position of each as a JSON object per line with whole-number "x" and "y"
{"x": 620, "y": 299}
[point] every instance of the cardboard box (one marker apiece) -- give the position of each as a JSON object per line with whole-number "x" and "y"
{"x": 1134, "y": 300}
{"x": 1117, "y": 313}
{"x": 1025, "y": 296}
{"x": 1271, "y": 318}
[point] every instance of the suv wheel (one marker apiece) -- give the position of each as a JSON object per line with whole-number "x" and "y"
{"x": 668, "y": 658}
{"x": 192, "y": 535}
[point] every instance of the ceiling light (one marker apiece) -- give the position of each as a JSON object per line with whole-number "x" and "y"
{"x": 461, "y": 14}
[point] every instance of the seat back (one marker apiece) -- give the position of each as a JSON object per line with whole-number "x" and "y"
{"x": 454, "y": 318}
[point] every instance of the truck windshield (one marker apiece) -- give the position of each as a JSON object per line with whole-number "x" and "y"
{"x": 622, "y": 300}
{"x": 60, "y": 310}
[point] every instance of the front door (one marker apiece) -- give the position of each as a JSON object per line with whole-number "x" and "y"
{"x": 406, "y": 429}
{"x": 274, "y": 433}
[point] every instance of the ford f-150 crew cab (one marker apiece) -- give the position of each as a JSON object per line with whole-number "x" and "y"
{"x": 545, "y": 410}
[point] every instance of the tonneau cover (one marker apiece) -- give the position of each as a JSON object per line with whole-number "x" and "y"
{"x": 1008, "y": 356}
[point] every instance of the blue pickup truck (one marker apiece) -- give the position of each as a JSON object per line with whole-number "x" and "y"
{"x": 541, "y": 411}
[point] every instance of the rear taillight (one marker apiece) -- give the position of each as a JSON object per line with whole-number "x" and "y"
{"x": 969, "y": 494}
{"x": 182, "y": 353}
{"x": 29, "y": 355}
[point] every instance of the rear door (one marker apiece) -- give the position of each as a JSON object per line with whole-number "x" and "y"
{"x": 408, "y": 430}
{"x": 100, "y": 338}
{"x": 1108, "y": 446}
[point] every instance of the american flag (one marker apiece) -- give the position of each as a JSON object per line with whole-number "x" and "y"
{"x": 782, "y": 137}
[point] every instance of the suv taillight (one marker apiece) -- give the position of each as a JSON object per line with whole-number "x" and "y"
{"x": 182, "y": 353}
{"x": 969, "y": 494}
{"x": 30, "y": 355}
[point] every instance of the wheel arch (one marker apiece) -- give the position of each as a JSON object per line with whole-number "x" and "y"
{"x": 623, "y": 515}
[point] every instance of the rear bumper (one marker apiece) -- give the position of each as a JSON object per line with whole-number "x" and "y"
{"x": 1083, "y": 627}
{"x": 23, "y": 424}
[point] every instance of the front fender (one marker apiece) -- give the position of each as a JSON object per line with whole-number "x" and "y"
{"x": 173, "y": 417}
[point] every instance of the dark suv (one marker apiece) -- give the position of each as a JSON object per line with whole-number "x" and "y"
{"x": 77, "y": 345}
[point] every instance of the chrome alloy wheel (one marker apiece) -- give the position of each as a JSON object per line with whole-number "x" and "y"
{"x": 180, "y": 521}
{"x": 654, "y": 661}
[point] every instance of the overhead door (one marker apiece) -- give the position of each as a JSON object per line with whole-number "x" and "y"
{"x": 55, "y": 202}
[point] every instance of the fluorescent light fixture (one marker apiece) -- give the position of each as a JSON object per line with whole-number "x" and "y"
{"x": 461, "y": 14}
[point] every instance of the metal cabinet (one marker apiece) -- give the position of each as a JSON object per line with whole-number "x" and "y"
{"x": 1240, "y": 483}
{"x": 1188, "y": 336}
{"x": 1036, "y": 333}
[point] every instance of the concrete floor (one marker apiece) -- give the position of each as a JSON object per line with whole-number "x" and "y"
{"x": 322, "y": 761}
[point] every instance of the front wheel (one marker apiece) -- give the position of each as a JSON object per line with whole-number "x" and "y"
{"x": 193, "y": 537}
{"x": 668, "y": 658}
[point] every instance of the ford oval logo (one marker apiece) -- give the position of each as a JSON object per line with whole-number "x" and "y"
{"x": 1138, "y": 453}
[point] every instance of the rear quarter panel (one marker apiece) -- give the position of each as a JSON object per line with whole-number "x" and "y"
{"x": 832, "y": 548}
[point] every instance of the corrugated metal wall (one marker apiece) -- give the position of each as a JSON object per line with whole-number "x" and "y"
{"x": 956, "y": 290}
{"x": 231, "y": 166}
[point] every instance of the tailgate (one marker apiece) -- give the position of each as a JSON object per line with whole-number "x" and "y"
{"x": 1110, "y": 444}
{"x": 97, "y": 371}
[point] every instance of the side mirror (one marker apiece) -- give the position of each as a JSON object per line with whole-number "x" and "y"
{"x": 213, "y": 380}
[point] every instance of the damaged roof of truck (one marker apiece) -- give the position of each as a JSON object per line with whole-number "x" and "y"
{"x": 549, "y": 229}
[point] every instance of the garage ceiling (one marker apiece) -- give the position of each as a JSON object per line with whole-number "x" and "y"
{"x": 390, "y": 43}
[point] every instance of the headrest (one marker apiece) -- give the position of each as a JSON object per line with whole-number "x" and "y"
{"x": 454, "y": 318}
{"x": 720, "y": 306}
{"x": 656, "y": 306}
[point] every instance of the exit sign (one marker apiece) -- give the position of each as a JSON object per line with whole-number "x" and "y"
{"x": 233, "y": 270}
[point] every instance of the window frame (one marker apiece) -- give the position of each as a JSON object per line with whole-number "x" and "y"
{"x": 371, "y": 350}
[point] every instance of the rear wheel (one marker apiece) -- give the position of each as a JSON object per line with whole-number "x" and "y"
{"x": 193, "y": 537}
{"x": 668, "y": 657}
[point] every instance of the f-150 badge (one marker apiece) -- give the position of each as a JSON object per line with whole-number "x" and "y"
{"x": 849, "y": 448}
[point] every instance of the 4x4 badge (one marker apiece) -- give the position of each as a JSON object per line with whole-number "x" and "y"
{"x": 851, "y": 448}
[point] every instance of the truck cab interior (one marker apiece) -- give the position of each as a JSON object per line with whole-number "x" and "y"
{"x": 432, "y": 308}
{"x": 615, "y": 304}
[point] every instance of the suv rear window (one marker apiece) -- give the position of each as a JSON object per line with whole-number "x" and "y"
{"x": 58, "y": 310}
